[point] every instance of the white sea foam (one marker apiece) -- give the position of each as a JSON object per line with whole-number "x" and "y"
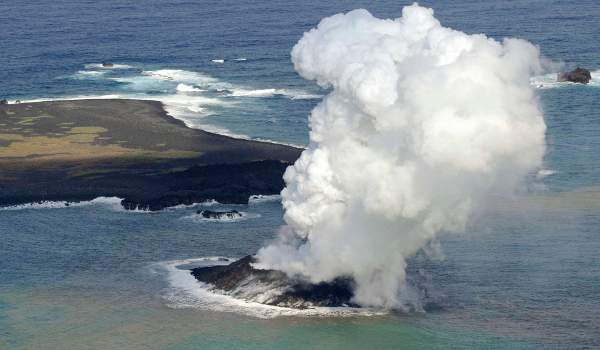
{"x": 192, "y": 110}
{"x": 141, "y": 83}
{"x": 196, "y": 79}
{"x": 188, "y": 88}
{"x": 218, "y": 60}
{"x": 198, "y": 218}
{"x": 114, "y": 66}
{"x": 208, "y": 203}
{"x": 271, "y": 92}
{"x": 74, "y": 98}
{"x": 256, "y": 93}
{"x": 180, "y": 75}
{"x": 542, "y": 173}
{"x": 112, "y": 202}
{"x": 89, "y": 74}
{"x": 240, "y": 59}
{"x": 299, "y": 95}
{"x": 549, "y": 81}
{"x": 260, "y": 198}
{"x": 185, "y": 291}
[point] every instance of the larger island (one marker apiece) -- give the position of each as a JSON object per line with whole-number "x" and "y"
{"x": 77, "y": 150}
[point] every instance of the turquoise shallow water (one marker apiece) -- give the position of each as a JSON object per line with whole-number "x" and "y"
{"x": 86, "y": 277}
{"x": 524, "y": 276}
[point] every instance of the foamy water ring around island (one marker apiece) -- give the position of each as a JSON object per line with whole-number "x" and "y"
{"x": 184, "y": 291}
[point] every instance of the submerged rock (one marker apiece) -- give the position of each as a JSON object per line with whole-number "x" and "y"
{"x": 578, "y": 75}
{"x": 3, "y": 102}
{"x": 107, "y": 65}
{"x": 219, "y": 215}
{"x": 241, "y": 280}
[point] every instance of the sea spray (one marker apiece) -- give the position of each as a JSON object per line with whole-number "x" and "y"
{"x": 422, "y": 122}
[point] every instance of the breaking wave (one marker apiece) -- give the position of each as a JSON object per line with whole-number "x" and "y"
{"x": 74, "y": 98}
{"x": 114, "y": 66}
{"x": 188, "y": 88}
{"x": 112, "y": 202}
{"x": 187, "y": 77}
{"x": 142, "y": 84}
{"x": 260, "y": 198}
{"x": 88, "y": 74}
{"x": 291, "y": 94}
{"x": 186, "y": 95}
{"x": 208, "y": 203}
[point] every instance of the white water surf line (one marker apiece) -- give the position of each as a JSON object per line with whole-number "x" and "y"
{"x": 185, "y": 291}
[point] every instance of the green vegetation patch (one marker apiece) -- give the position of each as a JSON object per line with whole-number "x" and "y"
{"x": 87, "y": 130}
{"x": 81, "y": 138}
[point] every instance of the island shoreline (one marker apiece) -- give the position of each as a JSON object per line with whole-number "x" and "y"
{"x": 79, "y": 150}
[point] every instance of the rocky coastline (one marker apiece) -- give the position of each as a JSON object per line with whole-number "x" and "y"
{"x": 79, "y": 150}
{"x": 242, "y": 280}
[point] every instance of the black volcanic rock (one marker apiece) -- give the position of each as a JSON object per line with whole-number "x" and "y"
{"x": 140, "y": 154}
{"x": 218, "y": 215}
{"x": 226, "y": 277}
{"x": 579, "y": 75}
{"x": 272, "y": 287}
{"x": 107, "y": 65}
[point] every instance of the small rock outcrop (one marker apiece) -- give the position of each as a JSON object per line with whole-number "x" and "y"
{"x": 3, "y": 102}
{"x": 219, "y": 215}
{"x": 107, "y": 65}
{"x": 578, "y": 75}
{"x": 241, "y": 280}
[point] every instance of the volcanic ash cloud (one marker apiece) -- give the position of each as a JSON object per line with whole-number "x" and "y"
{"x": 421, "y": 123}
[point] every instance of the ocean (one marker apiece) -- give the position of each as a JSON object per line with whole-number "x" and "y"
{"x": 92, "y": 276}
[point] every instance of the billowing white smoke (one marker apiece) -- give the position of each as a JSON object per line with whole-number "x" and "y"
{"x": 422, "y": 122}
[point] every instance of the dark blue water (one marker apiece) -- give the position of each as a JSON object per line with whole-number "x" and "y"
{"x": 45, "y": 43}
{"x": 526, "y": 276}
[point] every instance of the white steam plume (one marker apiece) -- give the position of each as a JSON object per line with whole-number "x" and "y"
{"x": 422, "y": 122}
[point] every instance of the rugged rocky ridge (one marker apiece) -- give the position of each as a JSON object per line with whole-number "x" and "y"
{"x": 240, "y": 279}
{"x": 219, "y": 215}
{"x": 578, "y": 75}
